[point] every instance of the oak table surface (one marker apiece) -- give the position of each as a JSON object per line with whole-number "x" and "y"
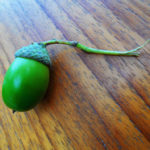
{"x": 94, "y": 102}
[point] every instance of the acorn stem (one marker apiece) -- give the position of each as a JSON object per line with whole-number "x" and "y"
{"x": 132, "y": 52}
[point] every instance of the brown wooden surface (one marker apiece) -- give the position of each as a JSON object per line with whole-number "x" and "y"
{"x": 95, "y": 102}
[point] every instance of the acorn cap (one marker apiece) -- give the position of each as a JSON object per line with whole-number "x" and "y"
{"x": 36, "y": 51}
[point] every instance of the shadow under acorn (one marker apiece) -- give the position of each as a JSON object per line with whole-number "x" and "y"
{"x": 49, "y": 99}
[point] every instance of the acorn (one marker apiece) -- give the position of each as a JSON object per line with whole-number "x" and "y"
{"x": 27, "y": 79}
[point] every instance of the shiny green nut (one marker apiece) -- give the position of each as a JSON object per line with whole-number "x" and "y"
{"x": 25, "y": 84}
{"x": 27, "y": 79}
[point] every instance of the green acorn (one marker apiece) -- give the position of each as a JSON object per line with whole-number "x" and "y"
{"x": 27, "y": 79}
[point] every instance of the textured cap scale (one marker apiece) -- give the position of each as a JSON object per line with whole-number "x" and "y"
{"x": 36, "y": 51}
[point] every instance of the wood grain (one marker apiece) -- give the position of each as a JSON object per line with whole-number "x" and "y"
{"x": 94, "y": 102}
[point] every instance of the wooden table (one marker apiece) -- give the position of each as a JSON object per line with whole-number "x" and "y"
{"x": 94, "y": 102}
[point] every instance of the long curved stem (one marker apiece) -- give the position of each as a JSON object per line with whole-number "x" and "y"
{"x": 132, "y": 52}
